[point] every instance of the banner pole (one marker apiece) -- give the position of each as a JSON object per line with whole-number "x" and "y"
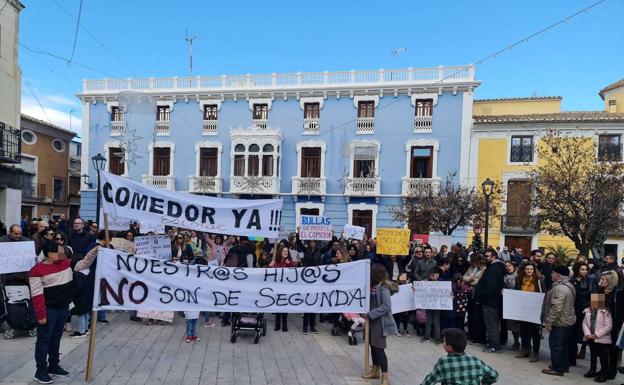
{"x": 91, "y": 350}
{"x": 366, "y": 345}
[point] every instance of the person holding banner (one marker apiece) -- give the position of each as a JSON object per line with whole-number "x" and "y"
{"x": 282, "y": 260}
{"x": 312, "y": 256}
{"x": 528, "y": 279}
{"x": 382, "y": 322}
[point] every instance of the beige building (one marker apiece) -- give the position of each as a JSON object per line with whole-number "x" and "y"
{"x": 47, "y": 173}
{"x": 10, "y": 101}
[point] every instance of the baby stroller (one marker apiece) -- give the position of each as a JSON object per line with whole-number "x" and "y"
{"x": 18, "y": 311}
{"x": 253, "y": 322}
{"x": 344, "y": 324}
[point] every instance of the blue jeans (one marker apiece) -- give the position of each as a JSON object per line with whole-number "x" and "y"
{"x": 49, "y": 338}
{"x": 191, "y": 327}
{"x": 101, "y": 315}
{"x": 81, "y": 322}
{"x": 558, "y": 340}
{"x": 206, "y": 316}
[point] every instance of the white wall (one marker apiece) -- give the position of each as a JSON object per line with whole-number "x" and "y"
{"x": 10, "y": 206}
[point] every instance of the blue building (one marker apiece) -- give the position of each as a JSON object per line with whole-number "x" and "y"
{"x": 349, "y": 145}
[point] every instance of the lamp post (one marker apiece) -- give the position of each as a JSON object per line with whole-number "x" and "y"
{"x": 487, "y": 186}
{"x": 98, "y": 163}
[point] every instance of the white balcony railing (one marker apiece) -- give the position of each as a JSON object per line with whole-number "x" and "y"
{"x": 365, "y": 125}
{"x": 365, "y": 187}
{"x": 117, "y": 128}
{"x": 205, "y": 184}
{"x": 411, "y": 187}
{"x": 162, "y": 128}
{"x": 311, "y": 126}
{"x": 254, "y": 185}
{"x": 260, "y": 123}
{"x": 210, "y": 127}
{"x": 299, "y": 80}
{"x": 309, "y": 186}
{"x": 422, "y": 124}
{"x": 160, "y": 181}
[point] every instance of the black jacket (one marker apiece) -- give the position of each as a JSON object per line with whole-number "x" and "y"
{"x": 390, "y": 267}
{"x": 489, "y": 290}
{"x": 241, "y": 251}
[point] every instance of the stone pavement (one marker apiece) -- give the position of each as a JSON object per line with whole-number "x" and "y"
{"x": 132, "y": 353}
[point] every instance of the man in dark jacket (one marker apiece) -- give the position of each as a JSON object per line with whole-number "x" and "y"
{"x": 80, "y": 241}
{"x": 489, "y": 293}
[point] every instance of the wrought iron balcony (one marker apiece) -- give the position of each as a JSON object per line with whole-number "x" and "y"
{"x": 254, "y": 185}
{"x": 260, "y": 123}
{"x": 363, "y": 187}
{"x": 422, "y": 124}
{"x": 210, "y": 127}
{"x": 160, "y": 181}
{"x": 311, "y": 126}
{"x": 10, "y": 144}
{"x": 205, "y": 184}
{"x": 365, "y": 125}
{"x": 162, "y": 128}
{"x": 412, "y": 187}
{"x": 117, "y": 128}
{"x": 526, "y": 224}
{"x": 309, "y": 186}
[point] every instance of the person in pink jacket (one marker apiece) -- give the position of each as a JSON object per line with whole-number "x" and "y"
{"x": 597, "y": 325}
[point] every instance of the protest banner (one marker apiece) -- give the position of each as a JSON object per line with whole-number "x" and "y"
{"x": 393, "y": 241}
{"x": 122, "y": 244}
{"x": 353, "y": 232}
{"x": 125, "y": 198}
{"x": 166, "y": 316}
{"x": 433, "y": 295}
{"x": 420, "y": 239}
{"x": 151, "y": 227}
{"x": 315, "y": 228}
{"x": 153, "y": 246}
{"x": 403, "y": 300}
{"x": 522, "y": 305}
{"x": 440, "y": 239}
{"x": 128, "y": 282}
{"x": 116, "y": 223}
{"x": 17, "y": 256}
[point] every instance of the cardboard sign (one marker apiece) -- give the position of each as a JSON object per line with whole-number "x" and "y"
{"x": 315, "y": 228}
{"x": 166, "y": 316}
{"x": 403, "y": 300}
{"x": 116, "y": 223}
{"x": 353, "y": 232}
{"x": 122, "y": 244}
{"x": 393, "y": 241}
{"x": 151, "y": 227}
{"x": 17, "y": 256}
{"x": 522, "y": 305}
{"x": 433, "y": 295}
{"x": 153, "y": 246}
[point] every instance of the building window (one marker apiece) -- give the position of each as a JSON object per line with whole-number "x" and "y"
{"x": 609, "y": 148}
{"x": 116, "y": 114}
{"x": 59, "y": 188}
{"x": 267, "y": 160}
{"x": 311, "y": 162}
{"x": 162, "y": 164}
{"x": 29, "y": 137}
{"x": 363, "y": 218}
{"x": 364, "y": 157}
{"x": 421, "y": 162}
{"x": 311, "y": 110}
{"x": 239, "y": 160}
{"x": 116, "y": 164}
{"x": 424, "y": 107}
{"x": 309, "y": 211}
{"x": 261, "y": 111}
{"x": 366, "y": 109}
{"x": 208, "y": 161}
{"x": 253, "y": 161}
{"x": 210, "y": 112}
{"x": 521, "y": 149}
{"x": 162, "y": 113}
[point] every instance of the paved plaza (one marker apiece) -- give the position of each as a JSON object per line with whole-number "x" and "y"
{"x": 133, "y": 353}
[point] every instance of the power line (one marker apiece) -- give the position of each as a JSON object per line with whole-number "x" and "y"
{"x": 55, "y": 56}
{"x": 37, "y": 99}
{"x": 76, "y": 34}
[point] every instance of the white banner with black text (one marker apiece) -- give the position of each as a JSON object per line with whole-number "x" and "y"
{"x": 127, "y": 282}
{"x": 125, "y": 198}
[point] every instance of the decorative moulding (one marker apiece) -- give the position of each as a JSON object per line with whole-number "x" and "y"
{"x": 110, "y": 105}
{"x": 310, "y": 99}
{"x": 203, "y": 102}
{"x": 432, "y": 95}
{"x": 169, "y": 103}
{"x": 267, "y": 101}
{"x": 365, "y": 98}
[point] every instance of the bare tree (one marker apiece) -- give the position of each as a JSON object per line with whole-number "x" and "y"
{"x": 446, "y": 209}
{"x": 577, "y": 195}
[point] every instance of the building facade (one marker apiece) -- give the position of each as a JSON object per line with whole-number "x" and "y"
{"x": 46, "y": 163}
{"x": 504, "y": 142}
{"x": 10, "y": 104}
{"x": 348, "y": 145}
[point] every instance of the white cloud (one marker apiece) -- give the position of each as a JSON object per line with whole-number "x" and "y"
{"x": 56, "y": 109}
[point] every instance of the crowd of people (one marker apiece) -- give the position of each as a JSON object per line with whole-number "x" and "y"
{"x": 583, "y": 305}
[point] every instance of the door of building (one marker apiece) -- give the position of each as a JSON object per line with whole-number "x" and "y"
{"x": 518, "y": 203}
{"x": 522, "y": 242}
{"x": 363, "y": 218}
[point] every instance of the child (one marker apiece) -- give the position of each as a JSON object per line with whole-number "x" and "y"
{"x": 461, "y": 292}
{"x": 457, "y": 367}
{"x": 356, "y": 320}
{"x": 192, "y": 318}
{"x": 432, "y": 328}
{"x": 597, "y": 326}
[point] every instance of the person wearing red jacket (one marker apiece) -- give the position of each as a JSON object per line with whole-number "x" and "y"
{"x": 51, "y": 289}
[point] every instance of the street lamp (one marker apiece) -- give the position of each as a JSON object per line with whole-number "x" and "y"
{"x": 487, "y": 186}
{"x": 85, "y": 180}
{"x": 98, "y": 162}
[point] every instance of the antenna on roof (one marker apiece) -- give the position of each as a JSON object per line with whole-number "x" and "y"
{"x": 189, "y": 40}
{"x": 395, "y": 52}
